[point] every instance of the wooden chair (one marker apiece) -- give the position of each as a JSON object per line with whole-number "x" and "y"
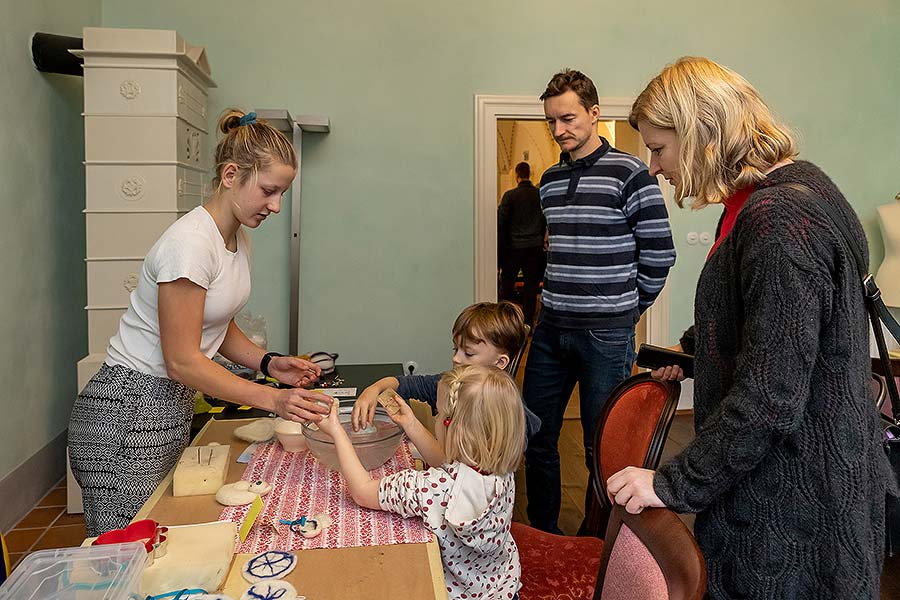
{"x": 631, "y": 430}
{"x": 649, "y": 556}
{"x": 513, "y": 367}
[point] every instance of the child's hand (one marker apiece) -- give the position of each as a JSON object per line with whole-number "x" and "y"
{"x": 404, "y": 416}
{"x": 331, "y": 424}
{"x": 364, "y": 407}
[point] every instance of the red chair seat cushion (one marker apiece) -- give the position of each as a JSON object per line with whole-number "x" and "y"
{"x": 556, "y": 566}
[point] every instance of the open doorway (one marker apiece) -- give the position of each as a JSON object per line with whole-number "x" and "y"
{"x": 496, "y": 153}
{"x": 525, "y": 149}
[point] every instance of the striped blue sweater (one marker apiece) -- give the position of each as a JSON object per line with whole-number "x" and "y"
{"x": 610, "y": 242}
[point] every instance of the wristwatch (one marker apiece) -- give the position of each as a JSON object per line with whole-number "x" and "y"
{"x": 266, "y": 359}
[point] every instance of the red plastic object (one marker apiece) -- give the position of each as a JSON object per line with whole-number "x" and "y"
{"x": 147, "y": 531}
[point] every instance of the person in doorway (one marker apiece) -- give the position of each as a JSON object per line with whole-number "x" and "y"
{"x": 520, "y": 231}
{"x": 132, "y": 420}
{"x": 610, "y": 250}
{"x": 786, "y": 472}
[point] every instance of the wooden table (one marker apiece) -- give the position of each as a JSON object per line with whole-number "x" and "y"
{"x": 408, "y": 571}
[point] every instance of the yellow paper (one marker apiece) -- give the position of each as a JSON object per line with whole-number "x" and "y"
{"x": 250, "y": 519}
{"x": 245, "y": 407}
{"x": 216, "y": 409}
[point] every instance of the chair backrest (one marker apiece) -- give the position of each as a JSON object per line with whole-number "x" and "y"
{"x": 513, "y": 367}
{"x": 631, "y": 431}
{"x": 649, "y": 556}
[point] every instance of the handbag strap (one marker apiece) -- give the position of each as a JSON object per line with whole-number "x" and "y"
{"x": 875, "y": 307}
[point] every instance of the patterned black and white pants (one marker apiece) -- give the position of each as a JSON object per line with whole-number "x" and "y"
{"x": 126, "y": 432}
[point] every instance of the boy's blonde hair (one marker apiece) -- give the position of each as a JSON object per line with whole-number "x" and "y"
{"x": 487, "y": 418}
{"x": 728, "y": 136}
{"x": 500, "y": 324}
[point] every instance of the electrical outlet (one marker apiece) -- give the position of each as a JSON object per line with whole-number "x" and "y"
{"x": 410, "y": 367}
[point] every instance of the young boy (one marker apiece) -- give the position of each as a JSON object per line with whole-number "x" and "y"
{"x": 485, "y": 334}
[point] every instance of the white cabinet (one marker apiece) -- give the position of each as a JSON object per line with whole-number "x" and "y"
{"x": 146, "y": 159}
{"x": 146, "y": 164}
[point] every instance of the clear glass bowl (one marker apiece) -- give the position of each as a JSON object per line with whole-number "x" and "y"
{"x": 374, "y": 445}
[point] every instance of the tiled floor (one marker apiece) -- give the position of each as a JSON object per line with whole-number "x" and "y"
{"x": 48, "y": 525}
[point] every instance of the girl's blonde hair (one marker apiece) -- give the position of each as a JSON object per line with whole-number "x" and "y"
{"x": 487, "y": 418}
{"x": 253, "y": 147}
{"x": 728, "y": 136}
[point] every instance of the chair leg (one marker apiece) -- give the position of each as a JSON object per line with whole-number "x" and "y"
{"x": 595, "y": 521}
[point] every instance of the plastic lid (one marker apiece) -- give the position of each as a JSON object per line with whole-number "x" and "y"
{"x": 107, "y": 572}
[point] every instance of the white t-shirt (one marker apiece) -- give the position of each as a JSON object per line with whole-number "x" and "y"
{"x": 191, "y": 248}
{"x": 470, "y": 514}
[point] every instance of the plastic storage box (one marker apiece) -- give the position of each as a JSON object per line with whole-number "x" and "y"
{"x": 108, "y": 572}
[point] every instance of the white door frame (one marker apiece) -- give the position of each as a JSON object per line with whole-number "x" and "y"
{"x": 488, "y": 109}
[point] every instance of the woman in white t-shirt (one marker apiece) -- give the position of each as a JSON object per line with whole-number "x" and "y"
{"x": 132, "y": 419}
{"x": 466, "y": 496}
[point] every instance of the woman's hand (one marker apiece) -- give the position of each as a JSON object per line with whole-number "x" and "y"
{"x": 296, "y": 404}
{"x": 633, "y": 488}
{"x": 331, "y": 424}
{"x": 670, "y": 373}
{"x": 294, "y": 371}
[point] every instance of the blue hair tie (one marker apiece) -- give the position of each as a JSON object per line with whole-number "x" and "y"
{"x": 248, "y": 119}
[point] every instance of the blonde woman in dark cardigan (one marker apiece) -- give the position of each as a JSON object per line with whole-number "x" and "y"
{"x": 786, "y": 473}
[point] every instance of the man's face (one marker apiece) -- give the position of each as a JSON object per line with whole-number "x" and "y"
{"x": 571, "y": 125}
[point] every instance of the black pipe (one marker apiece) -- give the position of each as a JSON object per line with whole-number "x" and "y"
{"x": 50, "y": 54}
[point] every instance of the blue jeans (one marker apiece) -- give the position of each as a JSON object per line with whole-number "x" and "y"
{"x": 598, "y": 360}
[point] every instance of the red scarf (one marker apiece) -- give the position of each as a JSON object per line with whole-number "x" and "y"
{"x": 733, "y": 205}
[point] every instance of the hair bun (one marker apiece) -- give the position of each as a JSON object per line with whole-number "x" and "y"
{"x": 230, "y": 119}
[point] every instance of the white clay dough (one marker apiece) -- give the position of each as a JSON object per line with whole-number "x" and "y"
{"x": 260, "y": 430}
{"x": 241, "y": 492}
{"x": 271, "y": 589}
{"x": 273, "y": 564}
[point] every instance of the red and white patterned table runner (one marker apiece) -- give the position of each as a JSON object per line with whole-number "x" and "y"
{"x": 301, "y": 485}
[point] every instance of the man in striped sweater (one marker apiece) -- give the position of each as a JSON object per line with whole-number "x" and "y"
{"x": 610, "y": 250}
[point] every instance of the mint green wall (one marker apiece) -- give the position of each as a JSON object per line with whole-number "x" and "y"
{"x": 43, "y": 325}
{"x": 388, "y": 194}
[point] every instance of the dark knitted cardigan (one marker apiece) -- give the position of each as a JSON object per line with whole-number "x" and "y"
{"x": 786, "y": 472}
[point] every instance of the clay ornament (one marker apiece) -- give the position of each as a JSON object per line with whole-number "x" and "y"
{"x": 240, "y": 493}
{"x": 273, "y": 564}
{"x": 308, "y": 527}
{"x": 272, "y": 589}
{"x": 260, "y": 430}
